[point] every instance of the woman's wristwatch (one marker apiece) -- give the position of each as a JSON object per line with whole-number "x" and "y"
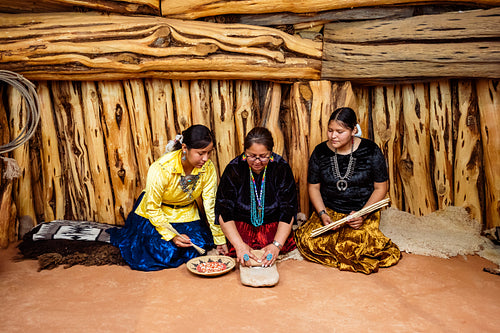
{"x": 321, "y": 212}
{"x": 277, "y": 244}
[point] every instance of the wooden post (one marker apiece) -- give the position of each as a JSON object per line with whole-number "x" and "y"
{"x": 120, "y": 147}
{"x": 343, "y": 96}
{"x": 271, "y": 116}
{"x": 23, "y": 187}
{"x": 441, "y": 129}
{"x": 7, "y": 206}
{"x": 299, "y": 153}
{"x": 4, "y": 122}
{"x": 139, "y": 126}
{"x": 201, "y": 110}
{"x": 414, "y": 165}
{"x": 161, "y": 114}
{"x": 182, "y": 104}
{"x": 94, "y": 138}
{"x": 362, "y": 105}
{"x": 71, "y": 126}
{"x": 488, "y": 95}
{"x": 244, "y": 110}
{"x": 468, "y": 151}
{"x": 224, "y": 128}
{"x": 321, "y": 109}
{"x": 386, "y": 110}
{"x": 36, "y": 177}
{"x": 54, "y": 194}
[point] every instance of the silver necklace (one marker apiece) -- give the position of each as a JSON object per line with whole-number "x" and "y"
{"x": 342, "y": 181}
{"x": 188, "y": 184}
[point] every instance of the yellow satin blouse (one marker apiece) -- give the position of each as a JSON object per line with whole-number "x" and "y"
{"x": 163, "y": 187}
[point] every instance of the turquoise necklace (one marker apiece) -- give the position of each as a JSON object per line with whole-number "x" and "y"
{"x": 257, "y": 199}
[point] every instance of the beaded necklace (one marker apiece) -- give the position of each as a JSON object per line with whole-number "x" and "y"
{"x": 257, "y": 200}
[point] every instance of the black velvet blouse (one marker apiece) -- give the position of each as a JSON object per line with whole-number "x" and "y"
{"x": 233, "y": 194}
{"x": 370, "y": 167}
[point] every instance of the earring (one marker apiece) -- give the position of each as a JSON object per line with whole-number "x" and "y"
{"x": 183, "y": 155}
{"x": 244, "y": 157}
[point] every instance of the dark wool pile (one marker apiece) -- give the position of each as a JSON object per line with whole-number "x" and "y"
{"x": 52, "y": 253}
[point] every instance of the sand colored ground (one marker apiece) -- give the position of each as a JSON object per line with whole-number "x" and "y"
{"x": 420, "y": 294}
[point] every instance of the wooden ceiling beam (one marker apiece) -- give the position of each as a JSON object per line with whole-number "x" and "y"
{"x": 94, "y": 46}
{"x": 451, "y": 45}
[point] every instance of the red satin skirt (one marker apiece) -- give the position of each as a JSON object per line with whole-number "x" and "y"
{"x": 259, "y": 237}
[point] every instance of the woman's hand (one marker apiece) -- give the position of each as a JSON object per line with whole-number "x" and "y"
{"x": 222, "y": 249}
{"x": 325, "y": 219}
{"x": 182, "y": 241}
{"x": 272, "y": 251}
{"x": 242, "y": 250}
{"x": 355, "y": 223}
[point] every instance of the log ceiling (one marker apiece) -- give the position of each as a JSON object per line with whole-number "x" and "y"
{"x": 278, "y": 41}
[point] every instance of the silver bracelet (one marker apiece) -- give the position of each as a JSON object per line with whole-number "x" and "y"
{"x": 277, "y": 244}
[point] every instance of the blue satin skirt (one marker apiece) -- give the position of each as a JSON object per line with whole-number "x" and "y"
{"x": 144, "y": 249}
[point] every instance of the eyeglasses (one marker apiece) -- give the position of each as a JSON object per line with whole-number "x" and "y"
{"x": 253, "y": 158}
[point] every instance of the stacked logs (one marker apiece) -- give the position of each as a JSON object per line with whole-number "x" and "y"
{"x": 96, "y": 140}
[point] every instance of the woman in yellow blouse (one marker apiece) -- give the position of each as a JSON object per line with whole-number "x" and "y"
{"x": 147, "y": 241}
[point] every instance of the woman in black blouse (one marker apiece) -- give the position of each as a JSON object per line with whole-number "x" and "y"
{"x": 347, "y": 173}
{"x": 256, "y": 201}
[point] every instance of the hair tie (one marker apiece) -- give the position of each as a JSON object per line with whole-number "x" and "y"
{"x": 359, "y": 132}
{"x": 171, "y": 143}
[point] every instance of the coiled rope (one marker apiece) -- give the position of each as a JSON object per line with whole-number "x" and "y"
{"x": 28, "y": 91}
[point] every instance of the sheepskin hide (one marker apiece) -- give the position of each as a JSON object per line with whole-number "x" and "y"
{"x": 445, "y": 233}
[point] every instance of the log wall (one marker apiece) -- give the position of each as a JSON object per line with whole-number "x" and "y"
{"x": 89, "y": 157}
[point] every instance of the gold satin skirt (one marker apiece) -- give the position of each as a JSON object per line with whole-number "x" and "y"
{"x": 357, "y": 250}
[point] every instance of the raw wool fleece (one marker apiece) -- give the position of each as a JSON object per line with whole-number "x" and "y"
{"x": 445, "y": 233}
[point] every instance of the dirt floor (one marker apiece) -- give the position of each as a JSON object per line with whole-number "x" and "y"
{"x": 420, "y": 294}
